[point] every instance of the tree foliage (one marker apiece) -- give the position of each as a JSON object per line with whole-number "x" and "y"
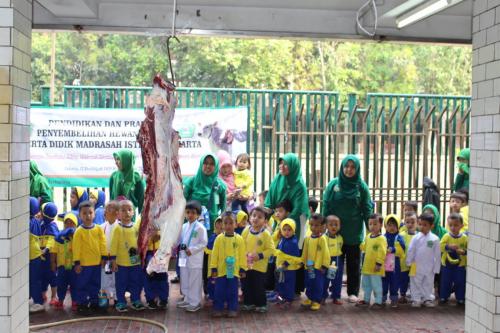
{"x": 347, "y": 67}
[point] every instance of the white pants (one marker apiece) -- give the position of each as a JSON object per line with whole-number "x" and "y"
{"x": 108, "y": 284}
{"x": 191, "y": 285}
{"x": 422, "y": 287}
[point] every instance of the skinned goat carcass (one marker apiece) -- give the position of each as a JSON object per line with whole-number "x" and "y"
{"x": 164, "y": 199}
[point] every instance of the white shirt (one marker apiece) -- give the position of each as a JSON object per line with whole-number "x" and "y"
{"x": 425, "y": 251}
{"x": 194, "y": 235}
{"x": 108, "y": 232}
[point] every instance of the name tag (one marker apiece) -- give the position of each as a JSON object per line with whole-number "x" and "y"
{"x": 182, "y": 262}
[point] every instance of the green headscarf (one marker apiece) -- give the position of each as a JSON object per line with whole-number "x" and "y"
{"x": 350, "y": 185}
{"x": 464, "y": 154}
{"x": 285, "y": 187}
{"x": 39, "y": 185}
{"x": 203, "y": 183}
{"x": 462, "y": 178}
{"x": 127, "y": 176}
{"x": 437, "y": 229}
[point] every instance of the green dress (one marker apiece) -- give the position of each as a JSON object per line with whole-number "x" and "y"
{"x": 437, "y": 228}
{"x": 209, "y": 191}
{"x": 127, "y": 182}
{"x": 349, "y": 199}
{"x": 39, "y": 186}
{"x": 291, "y": 188}
{"x": 462, "y": 179}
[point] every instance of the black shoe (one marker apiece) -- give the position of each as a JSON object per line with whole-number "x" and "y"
{"x": 83, "y": 310}
{"x": 152, "y": 305}
{"x": 175, "y": 280}
{"x": 163, "y": 305}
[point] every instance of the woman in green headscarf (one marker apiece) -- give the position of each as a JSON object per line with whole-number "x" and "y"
{"x": 462, "y": 177}
{"x": 289, "y": 185}
{"x": 207, "y": 188}
{"x": 39, "y": 186}
{"x": 348, "y": 197}
{"x": 437, "y": 228}
{"x": 126, "y": 181}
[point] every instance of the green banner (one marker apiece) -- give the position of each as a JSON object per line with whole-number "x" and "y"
{"x": 82, "y": 182}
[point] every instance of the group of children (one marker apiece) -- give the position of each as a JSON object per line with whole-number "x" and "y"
{"x": 96, "y": 263}
{"x": 100, "y": 263}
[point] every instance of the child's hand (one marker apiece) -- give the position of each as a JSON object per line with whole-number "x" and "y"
{"x": 214, "y": 275}
{"x": 188, "y": 252}
{"x": 378, "y": 267}
{"x": 114, "y": 266}
{"x": 243, "y": 275}
{"x": 453, "y": 247}
{"x": 461, "y": 251}
{"x": 78, "y": 269}
{"x": 53, "y": 267}
{"x": 155, "y": 238}
{"x": 103, "y": 263}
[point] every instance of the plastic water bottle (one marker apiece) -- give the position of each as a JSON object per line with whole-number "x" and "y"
{"x": 230, "y": 261}
{"x": 332, "y": 271}
{"x": 310, "y": 269}
{"x": 103, "y": 299}
{"x": 206, "y": 217}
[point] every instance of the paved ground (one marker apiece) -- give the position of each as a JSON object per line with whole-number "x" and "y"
{"x": 331, "y": 318}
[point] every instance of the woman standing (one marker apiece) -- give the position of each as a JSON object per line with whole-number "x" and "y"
{"x": 207, "y": 188}
{"x": 462, "y": 177}
{"x": 126, "y": 181}
{"x": 39, "y": 186}
{"x": 348, "y": 197}
{"x": 289, "y": 185}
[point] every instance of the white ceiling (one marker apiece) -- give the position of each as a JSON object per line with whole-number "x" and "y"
{"x": 278, "y": 18}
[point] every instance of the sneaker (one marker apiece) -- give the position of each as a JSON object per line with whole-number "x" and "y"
{"x": 217, "y": 314}
{"x": 429, "y": 304}
{"x": 403, "y": 300}
{"x": 306, "y": 303}
{"x": 74, "y": 306}
{"x": 121, "y": 307}
{"x": 315, "y": 306}
{"x": 443, "y": 301}
{"x": 362, "y": 304}
{"x": 460, "y": 303}
{"x": 261, "y": 309}
{"x": 353, "y": 299}
{"x": 377, "y": 306}
{"x": 53, "y": 302}
{"x": 137, "y": 306}
{"x": 271, "y": 294}
{"x": 337, "y": 302}
{"x": 152, "y": 305}
{"x": 162, "y": 305}
{"x": 245, "y": 307}
{"x": 59, "y": 305}
{"x": 193, "y": 308}
{"x": 232, "y": 314}
{"x": 416, "y": 304}
{"x": 175, "y": 280}
{"x": 34, "y": 308}
{"x": 394, "y": 304}
{"x": 182, "y": 304}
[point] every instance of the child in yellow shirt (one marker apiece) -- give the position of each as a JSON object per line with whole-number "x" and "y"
{"x": 375, "y": 250}
{"x": 208, "y": 251}
{"x": 89, "y": 254}
{"x": 35, "y": 279}
{"x": 316, "y": 259}
{"x": 228, "y": 262}
{"x": 243, "y": 180}
{"x": 61, "y": 256}
{"x": 260, "y": 247}
{"x": 335, "y": 243}
{"x": 125, "y": 259}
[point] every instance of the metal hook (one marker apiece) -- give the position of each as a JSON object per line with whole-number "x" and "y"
{"x": 170, "y": 57}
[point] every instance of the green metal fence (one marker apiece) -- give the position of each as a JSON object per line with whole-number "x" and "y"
{"x": 400, "y": 138}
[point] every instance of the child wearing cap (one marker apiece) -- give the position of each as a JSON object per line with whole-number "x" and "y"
{"x": 241, "y": 222}
{"x": 61, "y": 256}
{"x": 49, "y": 232}
{"x": 288, "y": 260}
{"x": 395, "y": 254}
{"x": 35, "y": 279}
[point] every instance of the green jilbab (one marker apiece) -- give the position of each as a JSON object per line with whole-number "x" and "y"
{"x": 127, "y": 182}
{"x": 39, "y": 185}
{"x": 291, "y": 188}
{"x": 462, "y": 179}
{"x": 209, "y": 190}
{"x": 437, "y": 228}
{"x": 349, "y": 199}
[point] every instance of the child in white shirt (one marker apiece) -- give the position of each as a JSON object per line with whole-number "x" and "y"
{"x": 107, "y": 275}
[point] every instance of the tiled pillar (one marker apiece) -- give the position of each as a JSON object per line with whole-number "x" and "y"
{"x": 482, "y": 310}
{"x": 15, "y": 93}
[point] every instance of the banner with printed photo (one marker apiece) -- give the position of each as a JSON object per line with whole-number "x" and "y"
{"x": 74, "y": 147}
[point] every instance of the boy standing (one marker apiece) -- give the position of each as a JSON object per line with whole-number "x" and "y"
{"x": 458, "y": 204}
{"x": 424, "y": 252}
{"x": 316, "y": 260}
{"x": 125, "y": 259}
{"x": 454, "y": 261}
{"x": 108, "y": 276}
{"x": 411, "y": 231}
{"x": 89, "y": 251}
{"x": 193, "y": 241}
{"x": 335, "y": 243}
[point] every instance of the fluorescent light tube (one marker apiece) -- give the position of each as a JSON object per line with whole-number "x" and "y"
{"x": 423, "y": 12}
